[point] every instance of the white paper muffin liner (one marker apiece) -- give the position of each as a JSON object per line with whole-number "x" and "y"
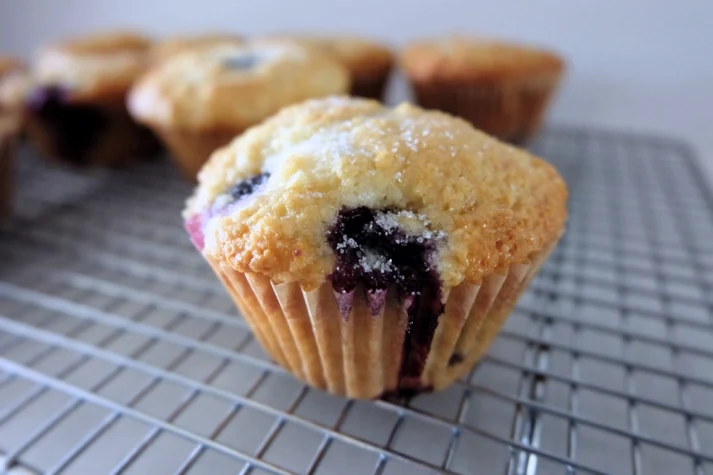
{"x": 359, "y": 355}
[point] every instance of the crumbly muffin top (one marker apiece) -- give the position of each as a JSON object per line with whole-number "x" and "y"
{"x": 172, "y": 46}
{"x": 358, "y": 55}
{"x": 458, "y": 57}
{"x": 233, "y": 86}
{"x": 266, "y": 202}
{"x": 99, "y": 66}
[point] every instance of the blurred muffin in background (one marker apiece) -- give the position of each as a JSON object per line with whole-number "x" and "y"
{"x": 13, "y": 85}
{"x": 172, "y": 46}
{"x": 9, "y": 133}
{"x": 76, "y": 105}
{"x": 369, "y": 63}
{"x": 13, "y": 80}
{"x": 199, "y": 100}
{"x": 502, "y": 88}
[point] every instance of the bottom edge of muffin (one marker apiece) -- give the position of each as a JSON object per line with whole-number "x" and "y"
{"x": 361, "y": 354}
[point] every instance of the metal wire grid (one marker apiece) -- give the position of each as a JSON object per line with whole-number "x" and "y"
{"x": 120, "y": 353}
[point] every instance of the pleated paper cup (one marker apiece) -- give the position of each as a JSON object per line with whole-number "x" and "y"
{"x": 359, "y": 355}
{"x": 191, "y": 149}
{"x": 512, "y": 111}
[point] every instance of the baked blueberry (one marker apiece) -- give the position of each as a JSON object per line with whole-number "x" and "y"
{"x": 248, "y": 186}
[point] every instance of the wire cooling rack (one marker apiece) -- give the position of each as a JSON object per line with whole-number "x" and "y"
{"x": 120, "y": 352}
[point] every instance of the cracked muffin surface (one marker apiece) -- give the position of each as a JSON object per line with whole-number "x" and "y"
{"x": 481, "y": 205}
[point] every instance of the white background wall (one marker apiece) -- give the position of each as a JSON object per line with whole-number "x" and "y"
{"x": 643, "y": 65}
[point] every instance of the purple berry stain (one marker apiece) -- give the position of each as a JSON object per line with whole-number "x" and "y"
{"x": 195, "y": 225}
{"x": 378, "y": 255}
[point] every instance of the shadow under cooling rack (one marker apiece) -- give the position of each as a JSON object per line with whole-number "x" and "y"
{"x": 120, "y": 352}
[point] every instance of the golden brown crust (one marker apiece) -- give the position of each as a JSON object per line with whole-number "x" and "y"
{"x": 99, "y": 66}
{"x": 493, "y": 204}
{"x": 458, "y": 58}
{"x": 361, "y": 56}
{"x": 172, "y": 46}
{"x": 211, "y": 89}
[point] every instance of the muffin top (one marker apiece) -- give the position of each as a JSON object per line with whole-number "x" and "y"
{"x": 457, "y": 57}
{"x": 229, "y": 86}
{"x": 172, "y": 46}
{"x": 99, "y": 66}
{"x": 340, "y": 177}
{"x": 358, "y": 55}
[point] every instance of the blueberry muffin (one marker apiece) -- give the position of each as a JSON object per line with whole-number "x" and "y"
{"x": 369, "y": 63}
{"x": 172, "y": 46}
{"x": 76, "y": 106}
{"x": 199, "y": 100}
{"x": 501, "y": 88}
{"x": 374, "y": 251}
